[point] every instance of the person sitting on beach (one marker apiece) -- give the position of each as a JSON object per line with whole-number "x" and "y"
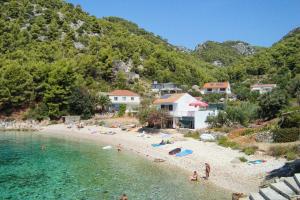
{"x": 194, "y": 177}
{"x": 124, "y": 197}
{"x": 162, "y": 142}
{"x": 207, "y": 171}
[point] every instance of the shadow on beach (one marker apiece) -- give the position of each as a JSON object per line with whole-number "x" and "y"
{"x": 288, "y": 169}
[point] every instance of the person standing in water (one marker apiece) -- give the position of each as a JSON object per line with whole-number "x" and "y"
{"x": 124, "y": 197}
{"x": 119, "y": 147}
{"x": 207, "y": 171}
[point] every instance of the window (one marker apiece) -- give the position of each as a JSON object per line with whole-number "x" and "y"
{"x": 222, "y": 89}
{"x": 116, "y": 98}
{"x": 132, "y": 98}
{"x": 209, "y": 89}
{"x": 124, "y": 98}
{"x": 167, "y": 107}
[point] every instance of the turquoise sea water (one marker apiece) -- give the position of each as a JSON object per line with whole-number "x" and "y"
{"x": 74, "y": 169}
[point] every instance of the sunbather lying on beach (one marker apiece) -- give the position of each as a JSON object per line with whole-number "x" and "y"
{"x": 194, "y": 177}
{"x": 162, "y": 142}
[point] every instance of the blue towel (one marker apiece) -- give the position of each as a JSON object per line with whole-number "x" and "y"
{"x": 184, "y": 152}
{"x": 156, "y": 145}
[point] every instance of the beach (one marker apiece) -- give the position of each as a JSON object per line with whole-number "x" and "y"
{"x": 232, "y": 176}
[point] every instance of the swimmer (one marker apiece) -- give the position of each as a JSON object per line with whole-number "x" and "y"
{"x": 124, "y": 197}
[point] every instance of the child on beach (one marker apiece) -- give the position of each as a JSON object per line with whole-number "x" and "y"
{"x": 194, "y": 177}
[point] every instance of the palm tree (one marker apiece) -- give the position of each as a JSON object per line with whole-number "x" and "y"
{"x": 103, "y": 102}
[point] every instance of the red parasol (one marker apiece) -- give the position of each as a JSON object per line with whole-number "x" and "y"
{"x": 198, "y": 103}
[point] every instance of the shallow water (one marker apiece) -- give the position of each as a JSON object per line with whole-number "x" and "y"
{"x": 74, "y": 169}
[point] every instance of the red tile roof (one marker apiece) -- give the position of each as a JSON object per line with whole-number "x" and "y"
{"x": 122, "y": 93}
{"x": 216, "y": 85}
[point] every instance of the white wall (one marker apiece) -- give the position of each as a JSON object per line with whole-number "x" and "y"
{"x": 182, "y": 105}
{"x": 127, "y": 100}
{"x": 200, "y": 118}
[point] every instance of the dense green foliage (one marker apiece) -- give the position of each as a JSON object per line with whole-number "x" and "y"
{"x": 122, "y": 110}
{"x": 234, "y": 113}
{"x": 286, "y": 134}
{"x": 226, "y": 53}
{"x": 81, "y": 103}
{"x": 271, "y": 103}
{"x": 50, "y": 47}
{"x": 278, "y": 64}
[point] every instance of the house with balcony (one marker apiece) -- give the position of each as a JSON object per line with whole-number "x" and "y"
{"x": 165, "y": 88}
{"x": 262, "y": 88}
{"x": 216, "y": 88}
{"x": 127, "y": 97}
{"x": 184, "y": 110}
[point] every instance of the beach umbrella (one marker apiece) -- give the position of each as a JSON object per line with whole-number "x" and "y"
{"x": 198, "y": 104}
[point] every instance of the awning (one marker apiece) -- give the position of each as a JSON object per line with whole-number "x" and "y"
{"x": 198, "y": 104}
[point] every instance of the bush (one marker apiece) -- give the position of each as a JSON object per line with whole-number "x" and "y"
{"x": 241, "y": 112}
{"x": 224, "y": 142}
{"x": 286, "y": 134}
{"x": 243, "y": 159}
{"x": 39, "y": 112}
{"x": 291, "y": 155}
{"x": 250, "y": 150}
{"x": 122, "y": 110}
{"x": 218, "y": 121}
{"x": 271, "y": 103}
{"x": 192, "y": 134}
{"x": 290, "y": 152}
{"x": 290, "y": 120}
{"x": 101, "y": 123}
{"x": 80, "y": 103}
{"x": 213, "y": 98}
{"x": 237, "y": 113}
{"x": 248, "y": 131}
{"x": 223, "y": 129}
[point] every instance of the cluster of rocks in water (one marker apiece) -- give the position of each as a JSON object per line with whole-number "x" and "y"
{"x": 13, "y": 125}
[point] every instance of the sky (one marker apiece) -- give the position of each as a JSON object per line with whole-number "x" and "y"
{"x": 190, "y": 22}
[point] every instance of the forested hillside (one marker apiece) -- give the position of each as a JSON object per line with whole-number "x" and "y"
{"x": 55, "y": 58}
{"x": 48, "y": 48}
{"x": 278, "y": 64}
{"x": 224, "y": 54}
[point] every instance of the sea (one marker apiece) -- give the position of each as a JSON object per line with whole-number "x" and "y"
{"x": 37, "y": 166}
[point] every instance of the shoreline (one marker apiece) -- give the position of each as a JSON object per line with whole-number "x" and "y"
{"x": 234, "y": 177}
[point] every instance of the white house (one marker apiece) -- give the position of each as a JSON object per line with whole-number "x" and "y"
{"x": 165, "y": 88}
{"x": 129, "y": 98}
{"x": 263, "y": 88}
{"x": 182, "y": 113}
{"x": 216, "y": 88}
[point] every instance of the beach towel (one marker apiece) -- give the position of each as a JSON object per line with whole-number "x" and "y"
{"x": 254, "y": 162}
{"x": 157, "y": 145}
{"x": 184, "y": 152}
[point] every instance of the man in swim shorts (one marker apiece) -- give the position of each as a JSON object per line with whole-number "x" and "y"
{"x": 207, "y": 171}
